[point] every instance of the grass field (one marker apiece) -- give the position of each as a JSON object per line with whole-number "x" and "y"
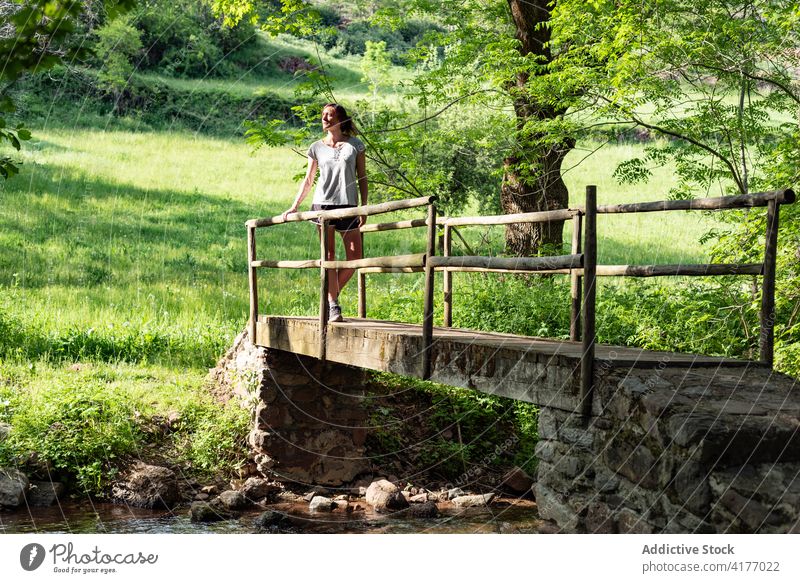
{"x": 104, "y": 228}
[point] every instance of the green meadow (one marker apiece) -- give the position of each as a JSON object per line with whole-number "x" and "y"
{"x": 146, "y": 230}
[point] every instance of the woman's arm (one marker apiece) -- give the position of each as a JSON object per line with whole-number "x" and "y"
{"x": 363, "y": 186}
{"x": 305, "y": 186}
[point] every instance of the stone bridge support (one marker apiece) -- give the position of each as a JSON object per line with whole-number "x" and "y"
{"x": 669, "y": 448}
{"x": 709, "y": 449}
{"x": 308, "y": 416}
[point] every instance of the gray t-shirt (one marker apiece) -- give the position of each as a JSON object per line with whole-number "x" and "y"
{"x": 338, "y": 181}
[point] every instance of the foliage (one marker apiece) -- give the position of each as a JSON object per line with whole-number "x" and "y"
{"x": 118, "y": 42}
{"x": 85, "y": 423}
{"x": 212, "y": 438}
{"x": 185, "y": 38}
{"x": 717, "y": 77}
{"x": 457, "y": 434}
{"x": 33, "y": 39}
{"x": 375, "y": 66}
{"x": 79, "y": 431}
{"x": 151, "y": 103}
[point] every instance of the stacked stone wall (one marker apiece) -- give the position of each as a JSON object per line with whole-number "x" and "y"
{"x": 309, "y": 420}
{"x": 671, "y": 450}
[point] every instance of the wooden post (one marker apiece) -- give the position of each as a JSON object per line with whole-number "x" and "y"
{"x": 575, "y": 282}
{"x": 589, "y": 296}
{"x": 427, "y": 312}
{"x": 448, "y": 280}
{"x": 251, "y": 256}
{"x": 767, "y": 336}
{"x": 362, "y": 286}
{"x": 362, "y": 294}
{"x": 323, "y": 288}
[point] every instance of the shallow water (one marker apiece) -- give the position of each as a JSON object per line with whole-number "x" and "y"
{"x": 513, "y": 516}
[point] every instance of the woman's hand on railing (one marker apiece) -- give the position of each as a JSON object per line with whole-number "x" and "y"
{"x": 288, "y": 212}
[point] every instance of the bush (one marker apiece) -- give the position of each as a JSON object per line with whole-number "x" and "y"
{"x": 157, "y": 104}
{"x": 79, "y": 431}
{"x": 84, "y": 425}
{"x": 452, "y": 433}
{"x": 117, "y": 44}
{"x": 352, "y": 39}
{"x": 184, "y": 38}
{"x": 213, "y": 438}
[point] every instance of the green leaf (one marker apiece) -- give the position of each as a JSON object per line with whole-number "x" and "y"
{"x": 7, "y": 104}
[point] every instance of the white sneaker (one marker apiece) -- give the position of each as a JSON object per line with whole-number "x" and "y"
{"x": 335, "y": 314}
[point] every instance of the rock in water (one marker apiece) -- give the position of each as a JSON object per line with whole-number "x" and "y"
{"x": 148, "y": 487}
{"x": 233, "y": 500}
{"x": 321, "y": 504}
{"x": 385, "y": 496}
{"x": 207, "y": 512}
{"x": 454, "y": 493}
{"x": 44, "y": 493}
{"x": 272, "y": 521}
{"x": 473, "y": 500}
{"x": 517, "y": 481}
{"x": 424, "y": 510}
{"x": 13, "y": 485}
{"x": 256, "y": 489}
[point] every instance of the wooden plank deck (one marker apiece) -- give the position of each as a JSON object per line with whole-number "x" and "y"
{"x": 537, "y": 370}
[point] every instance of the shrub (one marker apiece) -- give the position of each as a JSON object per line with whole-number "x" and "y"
{"x": 118, "y": 42}
{"x": 79, "y": 431}
{"x": 212, "y": 437}
{"x": 184, "y": 38}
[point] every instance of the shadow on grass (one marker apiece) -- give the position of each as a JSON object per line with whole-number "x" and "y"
{"x": 58, "y": 224}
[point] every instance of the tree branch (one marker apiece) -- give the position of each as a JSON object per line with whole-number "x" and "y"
{"x": 691, "y": 140}
{"x": 782, "y": 86}
{"x": 433, "y": 115}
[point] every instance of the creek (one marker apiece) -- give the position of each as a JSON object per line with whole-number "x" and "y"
{"x": 87, "y": 517}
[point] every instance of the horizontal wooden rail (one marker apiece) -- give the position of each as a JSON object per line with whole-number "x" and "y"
{"x": 284, "y": 264}
{"x": 688, "y": 270}
{"x": 508, "y": 263}
{"x": 347, "y": 213}
{"x": 393, "y": 226}
{"x": 639, "y": 270}
{"x": 536, "y": 217}
{"x": 391, "y": 270}
{"x": 709, "y": 204}
{"x": 417, "y": 260}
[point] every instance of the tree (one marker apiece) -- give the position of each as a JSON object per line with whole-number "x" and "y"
{"x": 497, "y": 54}
{"x": 718, "y": 81}
{"x": 33, "y": 35}
{"x": 117, "y": 43}
{"x": 717, "y": 78}
{"x": 375, "y": 68}
{"x": 488, "y": 54}
{"x": 532, "y": 180}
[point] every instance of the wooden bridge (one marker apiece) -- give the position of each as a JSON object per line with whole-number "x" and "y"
{"x": 552, "y": 373}
{"x": 629, "y": 440}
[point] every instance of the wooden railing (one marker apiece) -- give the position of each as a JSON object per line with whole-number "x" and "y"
{"x": 580, "y": 264}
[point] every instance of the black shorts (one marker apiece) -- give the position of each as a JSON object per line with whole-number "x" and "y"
{"x": 340, "y": 225}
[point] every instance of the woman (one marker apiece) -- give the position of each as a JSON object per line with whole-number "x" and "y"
{"x": 340, "y": 159}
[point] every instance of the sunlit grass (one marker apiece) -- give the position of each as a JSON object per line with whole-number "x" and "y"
{"x": 638, "y": 238}
{"x": 106, "y": 228}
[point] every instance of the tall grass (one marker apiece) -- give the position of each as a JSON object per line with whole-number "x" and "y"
{"x": 123, "y": 238}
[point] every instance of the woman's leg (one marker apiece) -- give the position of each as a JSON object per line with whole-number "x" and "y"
{"x": 353, "y": 250}
{"x": 333, "y": 280}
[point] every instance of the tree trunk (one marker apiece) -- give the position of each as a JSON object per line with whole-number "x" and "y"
{"x": 532, "y": 175}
